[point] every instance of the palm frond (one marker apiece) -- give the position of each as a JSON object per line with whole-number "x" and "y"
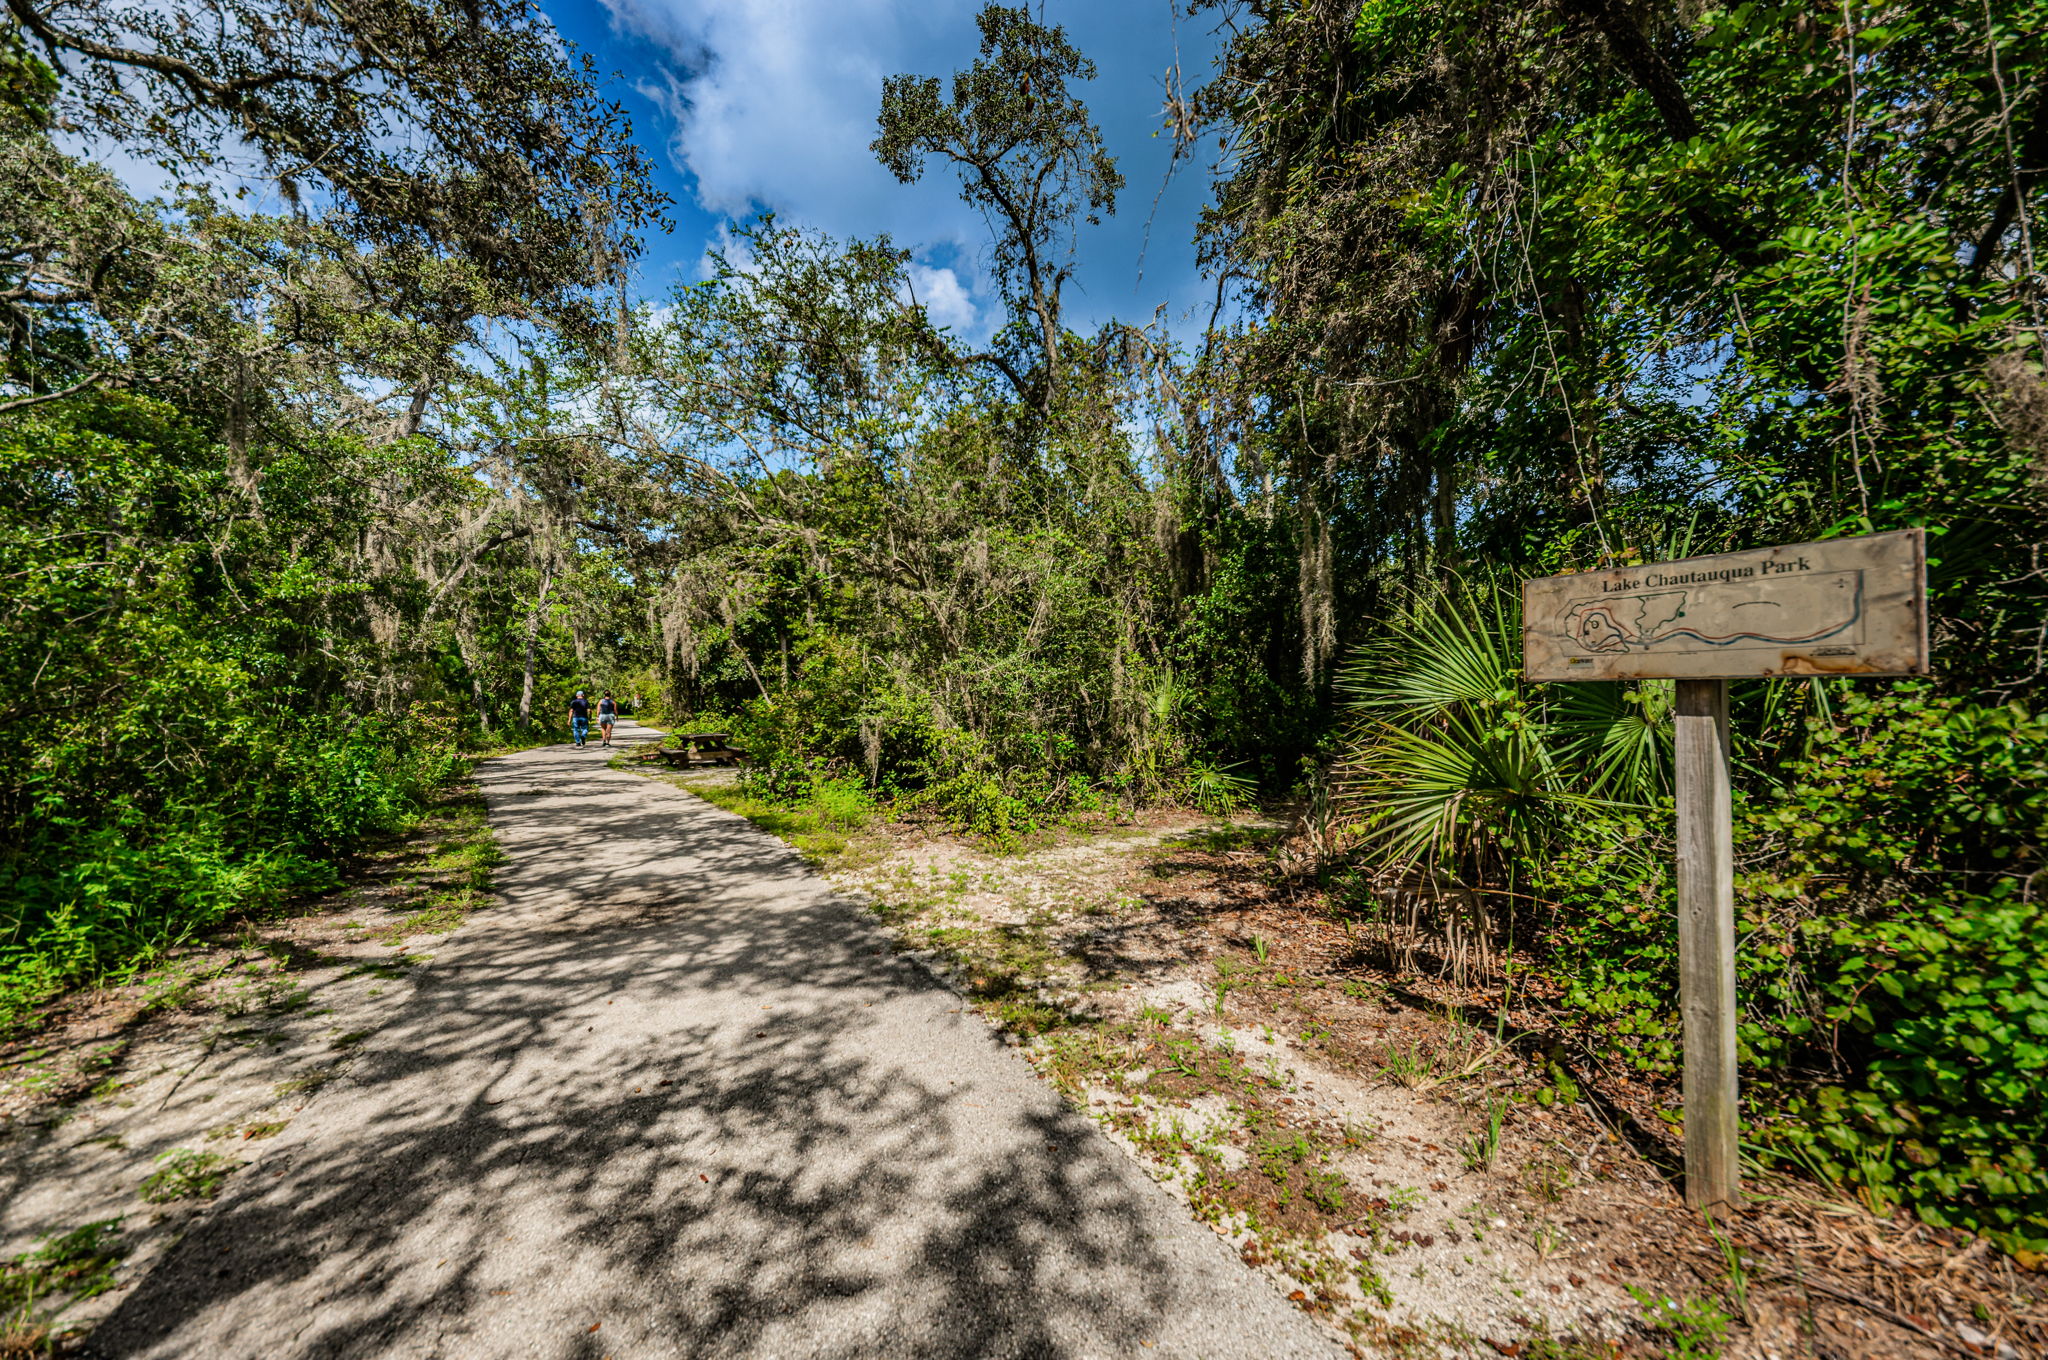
{"x": 1417, "y": 793}
{"x": 1447, "y": 651}
{"x": 1451, "y": 757}
{"x": 1615, "y": 738}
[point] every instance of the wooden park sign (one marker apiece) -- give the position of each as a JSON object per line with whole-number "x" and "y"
{"x": 1848, "y": 606}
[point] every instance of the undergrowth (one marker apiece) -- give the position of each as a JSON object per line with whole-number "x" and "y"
{"x": 820, "y": 824}
{"x": 38, "y": 1286}
{"x": 134, "y": 883}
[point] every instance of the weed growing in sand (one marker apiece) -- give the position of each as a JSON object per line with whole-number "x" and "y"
{"x": 1461, "y": 1052}
{"x": 1228, "y": 980}
{"x": 63, "y": 1269}
{"x": 1279, "y": 1155}
{"x": 1694, "y": 1328}
{"x": 305, "y": 1084}
{"x": 443, "y": 913}
{"x": 263, "y": 992}
{"x": 1410, "y": 1066}
{"x": 1735, "y": 1265}
{"x": 1551, "y": 1179}
{"x": 391, "y": 969}
{"x": 1482, "y": 1149}
{"x": 173, "y": 986}
{"x": 77, "y": 1264}
{"x": 184, "y": 1174}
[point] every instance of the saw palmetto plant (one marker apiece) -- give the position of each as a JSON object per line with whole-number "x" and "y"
{"x": 1451, "y": 762}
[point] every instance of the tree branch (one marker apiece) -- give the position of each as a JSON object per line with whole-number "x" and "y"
{"x": 23, "y": 403}
{"x": 1654, "y": 76}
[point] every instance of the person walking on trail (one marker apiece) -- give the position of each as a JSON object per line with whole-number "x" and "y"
{"x": 607, "y": 714}
{"x": 579, "y": 717}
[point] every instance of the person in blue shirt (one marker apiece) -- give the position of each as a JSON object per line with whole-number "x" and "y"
{"x": 579, "y": 717}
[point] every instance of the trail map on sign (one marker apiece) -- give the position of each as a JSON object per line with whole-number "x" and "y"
{"x": 1844, "y": 606}
{"x": 1766, "y": 613}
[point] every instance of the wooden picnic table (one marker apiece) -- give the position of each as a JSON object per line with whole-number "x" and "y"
{"x": 696, "y": 748}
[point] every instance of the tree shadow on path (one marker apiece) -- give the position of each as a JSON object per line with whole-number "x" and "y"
{"x": 673, "y": 1097}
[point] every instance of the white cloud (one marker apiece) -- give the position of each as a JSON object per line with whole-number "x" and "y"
{"x": 773, "y": 104}
{"x": 945, "y": 298}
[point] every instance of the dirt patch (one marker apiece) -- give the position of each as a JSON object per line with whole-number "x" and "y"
{"x": 1419, "y": 1166}
{"x": 123, "y": 1115}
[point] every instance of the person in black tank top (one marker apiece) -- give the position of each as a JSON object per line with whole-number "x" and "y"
{"x": 607, "y": 714}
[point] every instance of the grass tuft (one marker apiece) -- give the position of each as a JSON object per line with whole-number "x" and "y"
{"x": 184, "y": 1174}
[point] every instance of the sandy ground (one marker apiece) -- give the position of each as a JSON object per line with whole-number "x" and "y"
{"x": 677, "y": 1097}
{"x": 1492, "y": 1204}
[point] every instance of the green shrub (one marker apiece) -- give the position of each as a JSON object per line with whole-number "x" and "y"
{"x": 99, "y": 887}
{"x": 1892, "y": 963}
{"x": 1950, "y": 1001}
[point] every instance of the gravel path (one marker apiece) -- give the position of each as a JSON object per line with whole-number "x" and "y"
{"x": 675, "y": 1098}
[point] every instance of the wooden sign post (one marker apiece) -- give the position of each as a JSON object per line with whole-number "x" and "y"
{"x": 1847, "y": 606}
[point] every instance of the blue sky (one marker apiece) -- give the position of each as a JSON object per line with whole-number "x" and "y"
{"x": 747, "y": 105}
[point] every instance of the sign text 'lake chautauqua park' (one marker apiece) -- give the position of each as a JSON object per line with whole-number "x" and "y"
{"x": 1847, "y": 606}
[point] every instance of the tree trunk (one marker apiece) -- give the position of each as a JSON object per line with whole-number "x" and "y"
{"x": 540, "y": 604}
{"x": 408, "y": 424}
{"x": 465, "y": 647}
{"x": 1446, "y": 515}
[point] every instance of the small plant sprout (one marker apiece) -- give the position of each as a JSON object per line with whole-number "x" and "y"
{"x": 1736, "y": 1267}
{"x": 1260, "y": 948}
{"x": 1552, "y": 1179}
{"x": 1227, "y": 980}
{"x": 1482, "y": 1150}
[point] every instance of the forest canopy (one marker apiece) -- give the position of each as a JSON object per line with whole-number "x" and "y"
{"x": 303, "y": 503}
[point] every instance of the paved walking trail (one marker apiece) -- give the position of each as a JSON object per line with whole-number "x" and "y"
{"x": 675, "y": 1098}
